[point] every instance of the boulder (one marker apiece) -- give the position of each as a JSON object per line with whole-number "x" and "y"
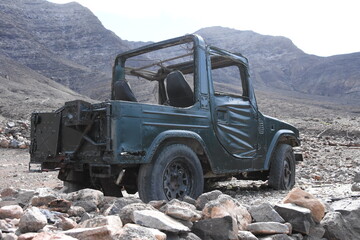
{"x": 66, "y": 223}
{"x": 60, "y": 205}
{"x": 350, "y": 211}
{"x": 299, "y": 217}
{"x": 103, "y": 233}
{"x": 245, "y": 235}
{"x": 134, "y": 231}
{"x": 188, "y": 236}
{"x": 265, "y": 213}
{"x": 44, "y": 197}
{"x": 268, "y": 228}
{"x": 12, "y": 211}
{"x": 206, "y": 197}
{"x": 303, "y": 199}
{"x": 76, "y": 211}
{"x": 278, "y": 237}
{"x": 126, "y": 213}
{"x": 181, "y": 210}
{"x": 99, "y": 221}
{"x": 6, "y": 226}
{"x": 27, "y": 236}
{"x": 225, "y": 205}
{"x": 86, "y": 195}
{"x": 119, "y": 204}
{"x": 158, "y": 220}
{"x": 222, "y": 228}
{"x": 52, "y": 236}
{"x": 32, "y": 220}
{"x": 337, "y": 228}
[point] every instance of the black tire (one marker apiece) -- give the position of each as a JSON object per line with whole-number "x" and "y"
{"x": 176, "y": 172}
{"x": 282, "y": 168}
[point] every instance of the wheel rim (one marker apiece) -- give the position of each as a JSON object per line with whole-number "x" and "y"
{"x": 176, "y": 180}
{"x": 287, "y": 173}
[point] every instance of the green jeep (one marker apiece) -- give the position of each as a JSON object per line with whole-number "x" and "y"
{"x": 190, "y": 116}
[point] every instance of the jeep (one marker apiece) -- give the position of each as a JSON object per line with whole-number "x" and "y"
{"x": 181, "y": 113}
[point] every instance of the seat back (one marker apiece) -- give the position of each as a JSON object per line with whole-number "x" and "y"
{"x": 123, "y": 91}
{"x": 178, "y": 90}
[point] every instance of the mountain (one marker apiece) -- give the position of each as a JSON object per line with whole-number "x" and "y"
{"x": 64, "y": 42}
{"x": 67, "y": 44}
{"x": 23, "y": 90}
{"x": 276, "y": 62}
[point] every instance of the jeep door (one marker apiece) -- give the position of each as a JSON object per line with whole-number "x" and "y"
{"x": 234, "y": 114}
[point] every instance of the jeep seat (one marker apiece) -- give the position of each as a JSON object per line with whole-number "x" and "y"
{"x": 178, "y": 90}
{"x": 123, "y": 91}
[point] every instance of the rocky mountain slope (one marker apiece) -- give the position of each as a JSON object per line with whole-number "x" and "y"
{"x": 277, "y": 62}
{"x": 68, "y": 44}
{"x": 23, "y": 90}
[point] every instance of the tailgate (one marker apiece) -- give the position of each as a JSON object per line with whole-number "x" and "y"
{"x": 45, "y": 128}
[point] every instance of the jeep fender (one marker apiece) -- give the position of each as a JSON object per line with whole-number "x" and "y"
{"x": 281, "y": 136}
{"x": 169, "y": 135}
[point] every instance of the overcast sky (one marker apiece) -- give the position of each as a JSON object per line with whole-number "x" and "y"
{"x": 320, "y": 27}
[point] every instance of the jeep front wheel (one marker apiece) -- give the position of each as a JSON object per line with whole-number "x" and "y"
{"x": 176, "y": 172}
{"x": 282, "y": 169}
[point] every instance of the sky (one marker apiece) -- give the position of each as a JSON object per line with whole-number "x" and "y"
{"x": 320, "y": 27}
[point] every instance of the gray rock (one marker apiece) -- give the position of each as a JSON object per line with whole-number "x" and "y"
{"x": 350, "y": 211}
{"x": 206, "y": 197}
{"x": 355, "y": 187}
{"x": 299, "y": 217}
{"x": 276, "y": 237}
{"x": 336, "y": 228}
{"x": 189, "y": 200}
{"x": 6, "y": 226}
{"x": 10, "y": 236}
{"x": 76, "y": 211}
{"x": 32, "y": 220}
{"x": 181, "y": 210}
{"x": 86, "y": 195}
{"x": 119, "y": 204}
{"x": 158, "y": 220}
{"x": 99, "y": 221}
{"x": 188, "y": 236}
{"x": 51, "y": 216}
{"x": 245, "y": 235}
{"x": 357, "y": 177}
{"x": 24, "y": 196}
{"x": 126, "y": 213}
{"x": 265, "y": 213}
{"x": 268, "y": 228}
{"x": 133, "y": 231}
{"x": 44, "y": 197}
{"x": 12, "y": 211}
{"x": 216, "y": 228}
{"x": 89, "y": 206}
{"x": 316, "y": 231}
{"x": 103, "y": 233}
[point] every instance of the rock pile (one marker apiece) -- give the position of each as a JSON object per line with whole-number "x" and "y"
{"x": 15, "y": 134}
{"x": 88, "y": 214}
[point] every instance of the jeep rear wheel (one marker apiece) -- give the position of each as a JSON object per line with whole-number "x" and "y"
{"x": 175, "y": 173}
{"x": 282, "y": 169}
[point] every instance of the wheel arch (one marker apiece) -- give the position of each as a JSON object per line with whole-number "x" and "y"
{"x": 281, "y": 136}
{"x": 188, "y": 138}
